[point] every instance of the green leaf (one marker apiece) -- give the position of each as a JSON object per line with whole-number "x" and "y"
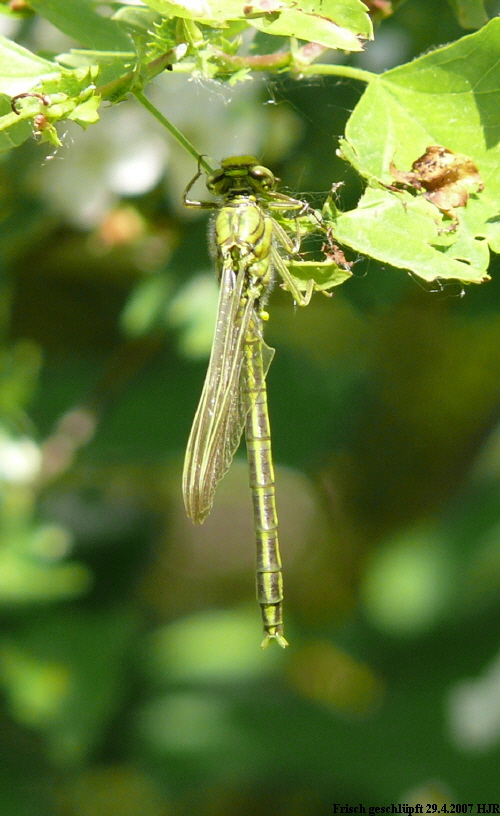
{"x": 405, "y": 232}
{"x": 449, "y": 97}
{"x": 205, "y": 10}
{"x": 20, "y": 364}
{"x": 77, "y": 83}
{"x": 117, "y": 72}
{"x": 63, "y": 676}
{"x": 20, "y": 70}
{"x": 333, "y": 23}
{"x": 70, "y": 94}
{"x": 350, "y": 14}
{"x": 24, "y": 581}
{"x": 325, "y": 274}
{"x": 139, "y": 21}
{"x": 296, "y": 23}
{"x": 469, "y": 13}
{"x": 86, "y": 114}
{"x": 145, "y": 306}
{"x": 13, "y": 130}
{"x": 79, "y": 20}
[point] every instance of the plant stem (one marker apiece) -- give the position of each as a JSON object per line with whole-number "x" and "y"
{"x": 181, "y": 139}
{"x": 276, "y": 62}
{"x": 327, "y": 69}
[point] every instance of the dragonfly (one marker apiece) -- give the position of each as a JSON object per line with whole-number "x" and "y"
{"x": 246, "y": 237}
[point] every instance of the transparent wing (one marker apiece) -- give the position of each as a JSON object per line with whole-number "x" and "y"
{"x": 220, "y": 417}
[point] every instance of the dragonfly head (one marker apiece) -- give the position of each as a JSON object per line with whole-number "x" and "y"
{"x": 241, "y": 175}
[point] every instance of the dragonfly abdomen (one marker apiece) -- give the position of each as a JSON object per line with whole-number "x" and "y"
{"x": 269, "y": 576}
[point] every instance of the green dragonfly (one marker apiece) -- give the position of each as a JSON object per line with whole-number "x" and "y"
{"x": 246, "y": 238}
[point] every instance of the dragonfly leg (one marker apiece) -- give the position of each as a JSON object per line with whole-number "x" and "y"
{"x": 289, "y": 283}
{"x": 198, "y": 205}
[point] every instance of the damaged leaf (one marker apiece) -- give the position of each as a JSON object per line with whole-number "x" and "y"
{"x": 447, "y": 178}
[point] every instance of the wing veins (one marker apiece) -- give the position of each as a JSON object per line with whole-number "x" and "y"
{"x": 220, "y": 417}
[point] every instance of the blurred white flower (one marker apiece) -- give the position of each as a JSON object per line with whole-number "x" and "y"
{"x": 20, "y": 460}
{"x": 122, "y": 155}
{"x": 474, "y": 710}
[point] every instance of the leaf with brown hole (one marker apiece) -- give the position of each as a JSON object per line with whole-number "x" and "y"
{"x": 447, "y": 178}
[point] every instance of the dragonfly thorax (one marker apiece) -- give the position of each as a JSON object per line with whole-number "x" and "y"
{"x": 243, "y": 236}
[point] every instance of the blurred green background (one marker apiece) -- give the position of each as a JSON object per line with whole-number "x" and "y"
{"x": 131, "y": 675}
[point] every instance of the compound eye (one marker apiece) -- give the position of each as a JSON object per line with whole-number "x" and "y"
{"x": 263, "y": 176}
